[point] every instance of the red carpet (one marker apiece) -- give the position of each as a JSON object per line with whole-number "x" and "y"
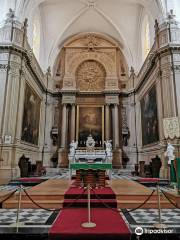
{"x": 148, "y": 180}
{"x": 106, "y": 196}
{"x": 95, "y": 203}
{"x": 106, "y": 193}
{"x": 109, "y": 225}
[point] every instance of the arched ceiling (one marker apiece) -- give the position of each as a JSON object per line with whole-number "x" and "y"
{"x": 61, "y": 19}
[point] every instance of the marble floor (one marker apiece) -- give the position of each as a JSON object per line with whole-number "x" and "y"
{"x": 38, "y": 221}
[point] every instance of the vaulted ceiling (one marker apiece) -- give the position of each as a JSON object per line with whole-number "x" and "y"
{"x": 61, "y": 19}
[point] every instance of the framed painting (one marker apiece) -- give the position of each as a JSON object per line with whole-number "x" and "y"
{"x": 149, "y": 117}
{"x": 31, "y": 115}
{"x": 90, "y": 120}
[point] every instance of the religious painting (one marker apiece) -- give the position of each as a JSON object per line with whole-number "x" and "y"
{"x": 90, "y": 121}
{"x": 149, "y": 117}
{"x": 31, "y": 115}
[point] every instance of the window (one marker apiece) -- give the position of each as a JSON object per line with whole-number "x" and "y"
{"x": 145, "y": 37}
{"x": 36, "y": 36}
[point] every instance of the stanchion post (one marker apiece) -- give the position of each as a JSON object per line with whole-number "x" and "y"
{"x": 18, "y": 209}
{"x": 17, "y": 224}
{"x": 160, "y": 224}
{"x": 89, "y": 224}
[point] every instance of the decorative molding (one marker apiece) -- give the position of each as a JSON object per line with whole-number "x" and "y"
{"x": 177, "y": 68}
{"x": 3, "y": 67}
{"x": 112, "y": 99}
{"x": 68, "y": 99}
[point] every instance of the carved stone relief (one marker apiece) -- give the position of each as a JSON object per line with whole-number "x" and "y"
{"x": 90, "y": 76}
{"x": 90, "y": 47}
{"x": 74, "y": 57}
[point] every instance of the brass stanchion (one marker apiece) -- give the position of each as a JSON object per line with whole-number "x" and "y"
{"x": 159, "y": 224}
{"x": 89, "y": 224}
{"x": 18, "y": 224}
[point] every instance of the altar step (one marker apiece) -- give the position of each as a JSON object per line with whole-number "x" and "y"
{"x": 95, "y": 203}
{"x": 36, "y": 196}
{"x": 48, "y": 194}
{"x": 49, "y": 204}
{"x": 131, "y": 194}
{"x": 132, "y": 204}
{"x": 103, "y": 193}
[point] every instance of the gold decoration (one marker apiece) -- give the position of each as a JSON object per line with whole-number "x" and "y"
{"x": 91, "y": 76}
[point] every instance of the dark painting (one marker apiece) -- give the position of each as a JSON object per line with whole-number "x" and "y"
{"x": 90, "y": 122}
{"x": 31, "y": 114}
{"x": 149, "y": 118}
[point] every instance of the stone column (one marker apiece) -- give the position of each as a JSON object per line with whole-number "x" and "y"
{"x": 73, "y": 120}
{"x": 64, "y": 126}
{"x": 116, "y": 126}
{"x": 107, "y": 122}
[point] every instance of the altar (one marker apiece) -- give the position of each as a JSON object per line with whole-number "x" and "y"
{"x": 91, "y": 165}
{"x": 91, "y": 173}
{"x": 90, "y": 153}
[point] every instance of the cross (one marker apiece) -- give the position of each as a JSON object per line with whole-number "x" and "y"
{"x": 171, "y": 15}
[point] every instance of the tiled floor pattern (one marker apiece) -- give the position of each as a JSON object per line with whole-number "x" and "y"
{"x": 140, "y": 217}
{"x": 30, "y": 216}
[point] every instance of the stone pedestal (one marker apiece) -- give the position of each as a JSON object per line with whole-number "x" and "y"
{"x": 117, "y": 158}
{"x": 63, "y": 158}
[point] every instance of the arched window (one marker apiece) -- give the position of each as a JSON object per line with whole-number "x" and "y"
{"x": 36, "y": 36}
{"x": 145, "y": 37}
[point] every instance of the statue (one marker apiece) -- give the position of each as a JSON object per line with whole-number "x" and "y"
{"x": 171, "y": 163}
{"x": 73, "y": 147}
{"x": 108, "y": 147}
{"x": 169, "y": 153}
{"x": 90, "y": 143}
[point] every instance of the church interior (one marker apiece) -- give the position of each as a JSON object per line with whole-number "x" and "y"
{"x": 89, "y": 119}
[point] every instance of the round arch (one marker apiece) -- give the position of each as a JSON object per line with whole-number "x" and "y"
{"x": 90, "y": 76}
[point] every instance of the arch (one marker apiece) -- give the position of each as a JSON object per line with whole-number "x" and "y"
{"x": 74, "y": 60}
{"x": 90, "y": 76}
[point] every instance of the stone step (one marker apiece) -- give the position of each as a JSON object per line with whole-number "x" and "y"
{"x": 131, "y": 204}
{"x": 50, "y": 204}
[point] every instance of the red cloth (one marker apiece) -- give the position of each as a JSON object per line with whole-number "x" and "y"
{"x": 109, "y": 225}
{"x": 30, "y": 179}
{"x": 148, "y": 180}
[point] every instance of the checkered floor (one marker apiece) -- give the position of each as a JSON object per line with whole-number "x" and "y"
{"x": 123, "y": 176}
{"x": 150, "y": 216}
{"x": 139, "y": 217}
{"x": 7, "y": 187}
{"x": 30, "y": 216}
{"x": 11, "y": 187}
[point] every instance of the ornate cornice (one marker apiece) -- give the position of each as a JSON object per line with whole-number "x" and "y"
{"x": 152, "y": 60}
{"x": 16, "y": 49}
